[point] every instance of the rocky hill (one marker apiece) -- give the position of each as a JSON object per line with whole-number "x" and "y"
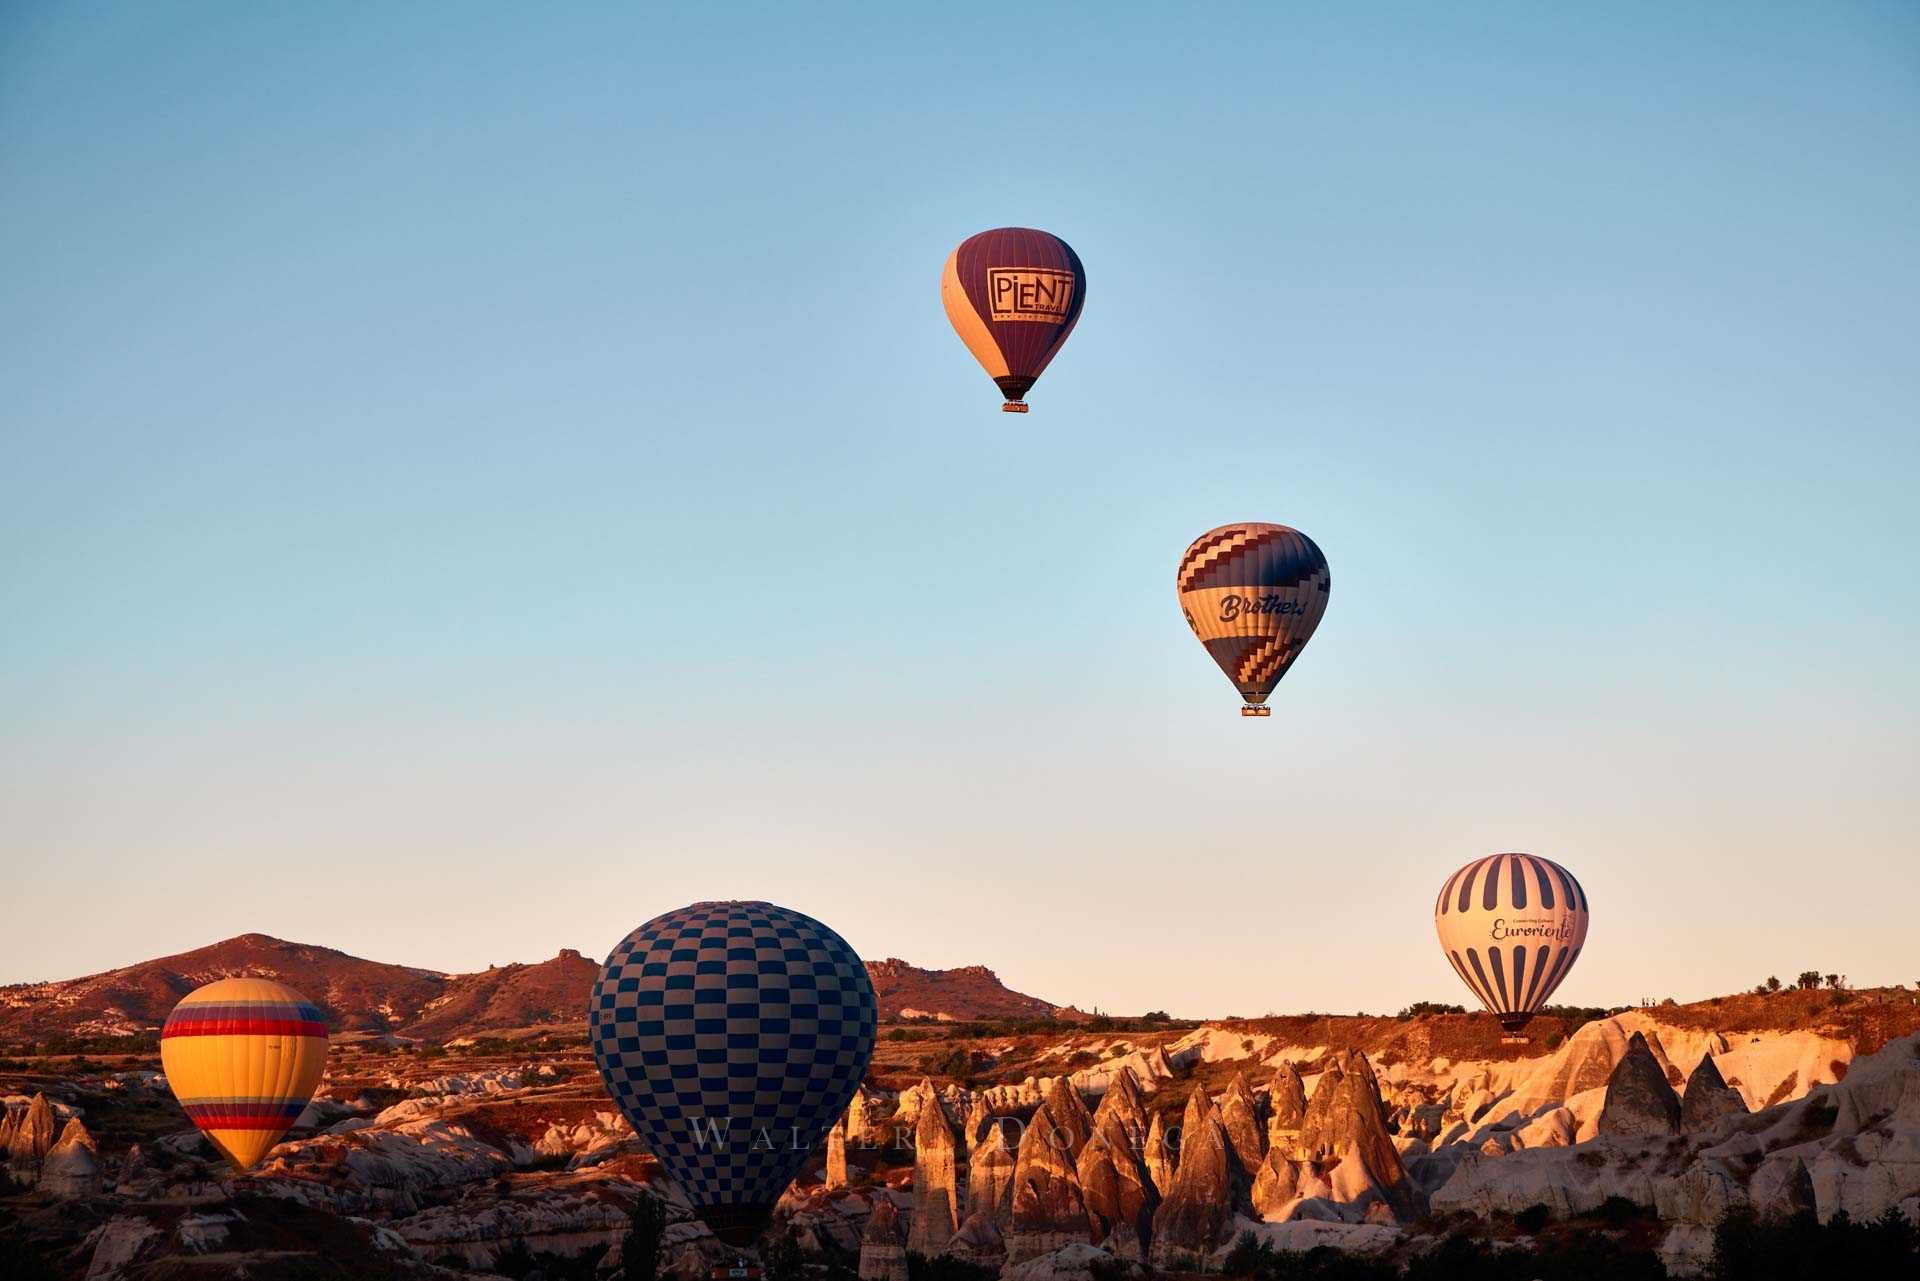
{"x": 358, "y": 995}
{"x": 362, "y": 996}
{"x": 509, "y": 997}
{"x": 970, "y": 992}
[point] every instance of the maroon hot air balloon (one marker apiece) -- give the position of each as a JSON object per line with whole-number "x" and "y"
{"x": 1013, "y": 295}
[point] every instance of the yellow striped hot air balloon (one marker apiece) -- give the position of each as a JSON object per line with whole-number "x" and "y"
{"x": 244, "y": 1056}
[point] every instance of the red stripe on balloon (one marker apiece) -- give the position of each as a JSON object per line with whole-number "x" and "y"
{"x": 245, "y": 1027}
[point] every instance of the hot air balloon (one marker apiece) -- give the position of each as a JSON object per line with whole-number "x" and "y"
{"x": 1253, "y": 593}
{"x": 1512, "y": 925}
{"x": 1013, "y": 295}
{"x": 732, "y": 1035}
{"x": 243, "y": 1056}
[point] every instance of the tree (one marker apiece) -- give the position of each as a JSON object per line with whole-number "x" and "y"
{"x": 1808, "y": 980}
{"x": 780, "y": 1258}
{"x": 640, "y": 1253}
{"x": 1836, "y": 981}
{"x": 1773, "y": 984}
{"x": 1429, "y": 1007}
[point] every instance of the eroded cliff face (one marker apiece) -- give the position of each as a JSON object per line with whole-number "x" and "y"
{"x": 1150, "y": 1148}
{"x": 1852, "y": 1145}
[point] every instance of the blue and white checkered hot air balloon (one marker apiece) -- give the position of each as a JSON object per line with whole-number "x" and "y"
{"x": 732, "y": 1035}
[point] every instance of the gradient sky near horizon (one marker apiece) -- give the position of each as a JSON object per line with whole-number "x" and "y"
{"x": 474, "y": 477}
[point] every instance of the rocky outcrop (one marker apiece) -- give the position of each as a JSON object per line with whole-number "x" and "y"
{"x": 1316, "y": 1122}
{"x": 1658, "y": 1049}
{"x": 605, "y": 1130}
{"x": 558, "y": 1219}
{"x": 974, "y": 1129}
{"x": 32, "y": 1138}
{"x": 1283, "y": 1187}
{"x": 1708, "y": 1098}
{"x": 1161, "y": 1157}
{"x": 936, "y": 1192}
{"x": 979, "y": 1241}
{"x": 1640, "y": 1102}
{"x": 1852, "y": 1146}
{"x": 1069, "y": 1113}
{"x": 1049, "y": 1210}
{"x": 1342, "y": 1154}
{"x": 907, "y": 1107}
{"x": 883, "y": 1250}
{"x": 990, "y": 1174}
{"x": 1076, "y": 1261}
{"x": 1246, "y": 1128}
{"x": 1286, "y": 1108}
{"x": 1192, "y": 1221}
{"x": 1358, "y": 1134}
{"x": 836, "y": 1175}
{"x": 863, "y": 1117}
{"x": 1123, "y": 1102}
{"x": 1120, "y": 1198}
{"x": 132, "y": 1174}
{"x": 71, "y": 1167}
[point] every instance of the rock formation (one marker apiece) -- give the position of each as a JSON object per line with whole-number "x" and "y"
{"x": 1282, "y": 1184}
{"x": 1049, "y": 1210}
{"x": 1846, "y": 1146}
{"x": 1069, "y": 1114}
{"x": 836, "y": 1157}
{"x": 1124, "y": 1102}
{"x": 1192, "y": 1221}
{"x": 1286, "y": 1108}
{"x": 1315, "y": 1122}
{"x": 936, "y": 1193}
{"x": 71, "y": 1167}
{"x": 133, "y": 1173}
{"x": 1161, "y": 1157}
{"x": 979, "y": 1241}
{"x": 1119, "y": 1196}
{"x": 32, "y": 1138}
{"x": 1640, "y": 1101}
{"x": 883, "y": 1252}
{"x": 1659, "y": 1052}
{"x": 990, "y": 1174}
{"x": 1358, "y": 1134}
{"x": 862, "y": 1118}
{"x": 7, "y": 1122}
{"x": 1246, "y": 1129}
{"x": 913, "y": 1099}
{"x": 974, "y": 1129}
{"x": 1708, "y": 1098}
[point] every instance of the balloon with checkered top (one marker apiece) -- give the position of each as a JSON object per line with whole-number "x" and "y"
{"x": 732, "y": 1035}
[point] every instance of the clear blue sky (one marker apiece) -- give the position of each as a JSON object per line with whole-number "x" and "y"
{"x": 474, "y": 477}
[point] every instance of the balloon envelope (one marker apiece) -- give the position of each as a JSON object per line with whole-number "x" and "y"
{"x": 1512, "y": 925}
{"x": 244, "y": 1056}
{"x": 1013, "y": 295}
{"x": 732, "y": 1035}
{"x": 1253, "y": 593}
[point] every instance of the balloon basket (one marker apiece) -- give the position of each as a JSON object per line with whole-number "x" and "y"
{"x": 1256, "y": 711}
{"x": 1014, "y": 407}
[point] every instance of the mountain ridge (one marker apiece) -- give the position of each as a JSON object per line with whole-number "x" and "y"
{"x": 378, "y": 998}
